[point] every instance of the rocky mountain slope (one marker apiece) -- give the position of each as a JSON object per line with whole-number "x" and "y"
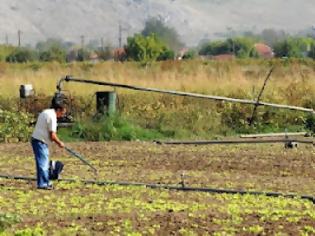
{"x": 193, "y": 19}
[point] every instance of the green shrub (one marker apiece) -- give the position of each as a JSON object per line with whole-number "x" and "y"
{"x": 191, "y": 54}
{"x": 113, "y": 127}
{"x": 215, "y": 48}
{"x": 166, "y": 34}
{"x": 15, "y": 126}
{"x": 145, "y": 49}
{"x": 237, "y": 118}
{"x": 53, "y": 54}
{"x": 242, "y": 47}
{"x": 166, "y": 55}
{"x": 5, "y": 51}
{"x": 294, "y": 47}
{"x": 310, "y": 122}
{"x": 8, "y": 104}
{"x": 21, "y": 55}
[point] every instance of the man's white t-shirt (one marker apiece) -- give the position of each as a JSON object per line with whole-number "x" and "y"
{"x": 46, "y": 122}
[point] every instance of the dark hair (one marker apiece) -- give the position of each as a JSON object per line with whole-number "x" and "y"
{"x": 57, "y": 106}
{"x": 59, "y": 101}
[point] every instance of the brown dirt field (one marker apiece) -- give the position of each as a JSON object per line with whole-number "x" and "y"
{"x": 259, "y": 167}
{"x": 246, "y": 167}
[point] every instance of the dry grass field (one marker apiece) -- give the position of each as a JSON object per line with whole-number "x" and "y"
{"x": 292, "y": 82}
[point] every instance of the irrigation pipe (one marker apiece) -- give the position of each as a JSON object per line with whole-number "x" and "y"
{"x": 305, "y": 134}
{"x": 185, "y": 94}
{"x": 208, "y": 142}
{"x": 171, "y": 187}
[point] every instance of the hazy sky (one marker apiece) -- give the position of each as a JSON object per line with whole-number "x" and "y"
{"x": 193, "y": 19}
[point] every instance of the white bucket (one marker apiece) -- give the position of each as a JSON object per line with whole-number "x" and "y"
{"x": 26, "y": 90}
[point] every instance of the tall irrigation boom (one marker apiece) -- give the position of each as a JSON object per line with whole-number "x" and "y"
{"x": 256, "y": 103}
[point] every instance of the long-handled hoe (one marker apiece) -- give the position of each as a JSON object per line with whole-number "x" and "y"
{"x": 81, "y": 158}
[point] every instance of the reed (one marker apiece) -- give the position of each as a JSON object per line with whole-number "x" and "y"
{"x": 292, "y": 82}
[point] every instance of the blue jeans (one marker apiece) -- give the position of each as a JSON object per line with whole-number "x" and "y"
{"x": 41, "y": 153}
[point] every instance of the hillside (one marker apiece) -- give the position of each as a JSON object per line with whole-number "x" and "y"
{"x": 193, "y": 19}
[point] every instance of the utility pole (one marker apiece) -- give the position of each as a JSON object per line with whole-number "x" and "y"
{"x": 6, "y": 39}
{"x": 19, "y": 38}
{"x": 120, "y": 31}
{"x": 120, "y": 35}
{"x": 233, "y": 46}
{"x": 82, "y": 41}
{"x": 230, "y": 30}
{"x": 102, "y": 44}
{"x": 148, "y": 11}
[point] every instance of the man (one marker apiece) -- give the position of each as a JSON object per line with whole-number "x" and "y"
{"x": 44, "y": 134}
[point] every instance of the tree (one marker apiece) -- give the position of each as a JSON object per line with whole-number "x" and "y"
{"x": 294, "y": 47}
{"x": 21, "y": 55}
{"x": 215, "y": 48}
{"x": 82, "y": 55}
{"x": 241, "y": 47}
{"x": 49, "y": 43}
{"x": 166, "y": 54}
{"x": 52, "y": 50}
{"x": 146, "y": 49}
{"x": 5, "y": 51}
{"x": 272, "y": 37}
{"x": 311, "y": 53}
{"x": 167, "y": 34}
{"x": 190, "y": 54}
{"x": 54, "y": 53}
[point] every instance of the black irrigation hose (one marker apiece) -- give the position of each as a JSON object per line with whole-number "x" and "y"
{"x": 172, "y": 187}
{"x": 204, "y": 142}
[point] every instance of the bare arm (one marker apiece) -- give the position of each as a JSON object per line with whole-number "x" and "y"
{"x": 54, "y": 138}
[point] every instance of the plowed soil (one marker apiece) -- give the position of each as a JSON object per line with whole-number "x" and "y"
{"x": 262, "y": 167}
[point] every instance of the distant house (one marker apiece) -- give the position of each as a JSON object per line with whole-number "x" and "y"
{"x": 119, "y": 54}
{"x": 181, "y": 53}
{"x": 93, "y": 57}
{"x": 264, "y": 50}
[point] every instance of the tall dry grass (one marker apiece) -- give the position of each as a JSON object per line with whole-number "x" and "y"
{"x": 292, "y": 82}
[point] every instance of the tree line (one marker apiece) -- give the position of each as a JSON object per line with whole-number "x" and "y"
{"x": 158, "y": 41}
